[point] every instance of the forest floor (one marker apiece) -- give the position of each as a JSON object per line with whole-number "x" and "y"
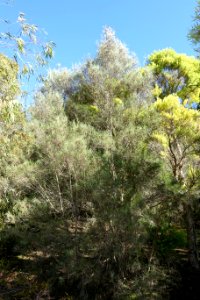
{"x": 31, "y": 274}
{"x": 23, "y": 278}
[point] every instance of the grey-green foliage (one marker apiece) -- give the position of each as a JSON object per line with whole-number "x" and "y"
{"x": 14, "y": 153}
{"x": 64, "y": 159}
{"x": 102, "y": 180}
{"x": 92, "y": 173}
{"x": 113, "y": 56}
{"x": 100, "y": 89}
{"x": 100, "y": 176}
{"x": 93, "y": 165}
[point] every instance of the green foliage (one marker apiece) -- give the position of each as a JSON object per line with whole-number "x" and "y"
{"x": 175, "y": 74}
{"x": 9, "y": 85}
{"x": 167, "y": 239}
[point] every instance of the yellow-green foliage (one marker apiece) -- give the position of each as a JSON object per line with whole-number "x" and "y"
{"x": 176, "y": 73}
{"x": 9, "y": 85}
{"x": 182, "y": 121}
{"x": 178, "y": 135}
{"x": 118, "y": 101}
{"x": 156, "y": 91}
{"x": 94, "y": 108}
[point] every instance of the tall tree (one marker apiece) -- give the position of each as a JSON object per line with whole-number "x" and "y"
{"x": 94, "y": 167}
{"x": 179, "y": 137}
{"x": 177, "y": 90}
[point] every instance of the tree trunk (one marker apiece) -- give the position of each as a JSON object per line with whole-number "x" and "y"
{"x": 191, "y": 237}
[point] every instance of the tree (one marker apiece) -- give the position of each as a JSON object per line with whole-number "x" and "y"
{"x": 94, "y": 170}
{"x": 176, "y": 92}
{"x": 102, "y": 88}
{"x": 96, "y": 185}
{"x": 178, "y": 135}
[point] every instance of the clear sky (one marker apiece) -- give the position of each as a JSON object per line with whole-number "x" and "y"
{"x": 76, "y": 25}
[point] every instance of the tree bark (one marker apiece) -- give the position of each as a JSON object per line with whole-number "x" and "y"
{"x": 191, "y": 237}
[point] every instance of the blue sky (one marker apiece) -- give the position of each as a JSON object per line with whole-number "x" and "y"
{"x": 76, "y": 25}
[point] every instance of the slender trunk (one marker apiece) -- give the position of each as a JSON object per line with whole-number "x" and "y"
{"x": 178, "y": 156}
{"x": 60, "y": 195}
{"x": 191, "y": 237}
{"x": 75, "y": 215}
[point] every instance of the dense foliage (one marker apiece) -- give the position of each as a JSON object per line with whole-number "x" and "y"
{"x": 99, "y": 180}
